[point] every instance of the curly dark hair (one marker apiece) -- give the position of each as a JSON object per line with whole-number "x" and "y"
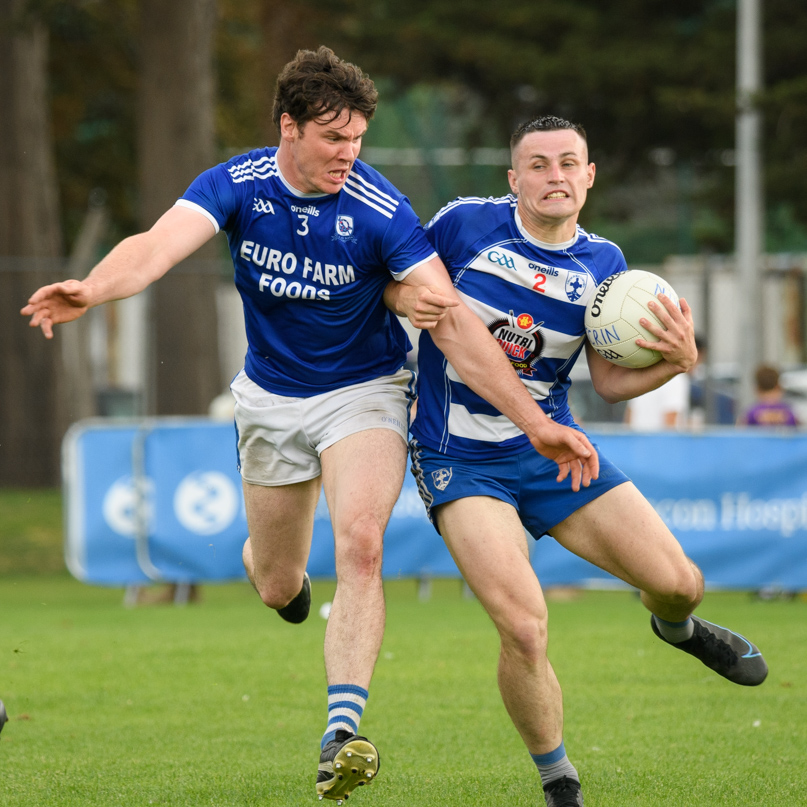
{"x": 546, "y": 123}
{"x": 318, "y": 83}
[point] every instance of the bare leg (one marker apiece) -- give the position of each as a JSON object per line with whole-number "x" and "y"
{"x": 362, "y": 476}
{"x": 621, "y": 533}
{"x": 477, "y": 530}
{"x": 281, "y": 522}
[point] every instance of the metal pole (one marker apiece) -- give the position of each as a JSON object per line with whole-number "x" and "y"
{"x": 748, "y": 237}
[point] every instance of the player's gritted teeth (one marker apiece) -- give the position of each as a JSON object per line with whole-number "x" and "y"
{"x": 338, "y": 176}
{"x": 557, "y": 195}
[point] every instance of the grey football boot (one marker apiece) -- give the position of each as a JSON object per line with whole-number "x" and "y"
{"x": 725, "y": 652}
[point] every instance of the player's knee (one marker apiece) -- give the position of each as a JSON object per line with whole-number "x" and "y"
{"x": 525, "y": 634}
{"x": 359, "y": 549}
{"x": 278, "y": 593}
{"x": 682, "y": 586}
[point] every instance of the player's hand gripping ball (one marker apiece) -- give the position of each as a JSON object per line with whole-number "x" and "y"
{"x": 613, "y": 314}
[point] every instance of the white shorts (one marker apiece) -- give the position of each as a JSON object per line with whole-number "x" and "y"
{"x": 280, "y": 439}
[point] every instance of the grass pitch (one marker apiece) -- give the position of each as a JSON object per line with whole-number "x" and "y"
{"x": 222, "y": 703}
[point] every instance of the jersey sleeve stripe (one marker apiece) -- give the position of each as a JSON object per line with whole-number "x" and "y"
{"x": 366, "y": 201}
{"x": 370, "y": 194}
{"x": 357, "y": 177}
{"x": 199, "y": 209}
{"x": 262, "y": 169}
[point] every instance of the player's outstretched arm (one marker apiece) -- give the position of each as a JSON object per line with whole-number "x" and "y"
{"x": 675, "y": 341}
{"x": 131, "y": 266}
{"x": 483, "y": 366}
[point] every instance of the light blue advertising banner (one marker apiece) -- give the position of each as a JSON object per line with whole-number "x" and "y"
{"x": 161, "y": 499}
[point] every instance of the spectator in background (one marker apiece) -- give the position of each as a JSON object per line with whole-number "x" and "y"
{"x": 770, "y": 409}
{"x": 666, "y": 407}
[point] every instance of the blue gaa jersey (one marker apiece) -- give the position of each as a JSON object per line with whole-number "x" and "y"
{"x": 532, "y": 297}
{"x": 311, "y": 270}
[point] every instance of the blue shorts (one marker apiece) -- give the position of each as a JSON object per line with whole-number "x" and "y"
{"x": 526, "y": 480}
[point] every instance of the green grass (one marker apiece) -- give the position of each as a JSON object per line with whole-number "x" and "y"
{"x": 222, "y": 703}
{"x": 30, "y": 532}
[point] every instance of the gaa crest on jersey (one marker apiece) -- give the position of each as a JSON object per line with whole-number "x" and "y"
{"x": 576, "y": 283}
{"x": 262, "y": 205}
{"x": 520, "y": 338}
{"x": 442, "y": 477}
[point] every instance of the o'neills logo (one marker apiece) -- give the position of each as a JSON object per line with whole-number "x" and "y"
{"x": 309, "y": 210}
{"x": 602, "y": 290}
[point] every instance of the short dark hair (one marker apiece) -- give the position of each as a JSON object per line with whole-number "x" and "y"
{"x": 766, "y": 377}
{"x": 546, "y": 123}
{"x": 317, "y": 83}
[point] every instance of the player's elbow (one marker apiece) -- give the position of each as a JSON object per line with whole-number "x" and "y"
{"x": 608, "y": 393}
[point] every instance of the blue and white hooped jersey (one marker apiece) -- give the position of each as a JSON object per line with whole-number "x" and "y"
{"x": 311, "y": 270}
{"x": 532, "y": 297}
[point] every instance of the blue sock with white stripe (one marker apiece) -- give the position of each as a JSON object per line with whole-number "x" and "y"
{"x": 346, "y": 704}
{"x": 554, "y": 765}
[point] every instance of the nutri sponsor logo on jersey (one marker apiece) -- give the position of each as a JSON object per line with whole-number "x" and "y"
{"x": 520, "y": 338}
{"x": 307, "y": 275}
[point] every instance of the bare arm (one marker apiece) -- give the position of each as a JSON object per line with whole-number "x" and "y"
{"x": 675, "y": 341}
{"x": 130, "y": 267}
{"x": 483, "y": 366}
{"x": 424, "y": 306}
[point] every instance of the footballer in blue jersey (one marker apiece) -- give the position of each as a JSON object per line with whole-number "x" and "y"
{"x": 321, "y": 245}
{"x": 526, "y": 268}
{"x": 311, "y": 269}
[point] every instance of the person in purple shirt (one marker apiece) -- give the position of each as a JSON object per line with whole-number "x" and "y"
{"x": 770, "y": 409}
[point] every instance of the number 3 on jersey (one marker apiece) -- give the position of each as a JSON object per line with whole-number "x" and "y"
{"x": 303, "y": 224}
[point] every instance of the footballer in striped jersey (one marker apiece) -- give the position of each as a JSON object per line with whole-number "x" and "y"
{"x": 526, "y": 268}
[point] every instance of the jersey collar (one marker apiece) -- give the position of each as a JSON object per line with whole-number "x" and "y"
{"x": 291, "y": 189}
{"x": 552, "y": 247}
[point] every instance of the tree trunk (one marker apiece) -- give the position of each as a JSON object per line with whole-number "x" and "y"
{"x": 283, "y": 33}
{"x": 33, "y": 417}
{"x": 176, "y": 142}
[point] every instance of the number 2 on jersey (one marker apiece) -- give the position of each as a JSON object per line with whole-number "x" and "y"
{"x": 540, "y": 282}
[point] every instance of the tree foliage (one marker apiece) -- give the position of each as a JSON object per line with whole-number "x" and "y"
{"x": 648, "y": 79}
